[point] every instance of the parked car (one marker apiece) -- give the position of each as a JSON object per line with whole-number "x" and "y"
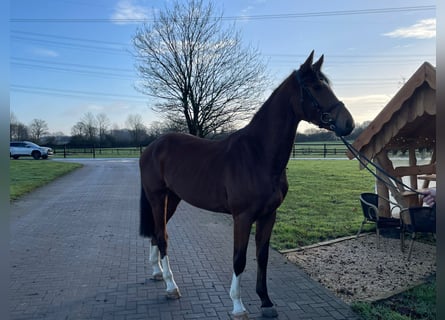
{"x": 25, "y": 148}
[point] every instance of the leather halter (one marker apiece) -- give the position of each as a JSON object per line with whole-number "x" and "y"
{"x": 325, "y": 114}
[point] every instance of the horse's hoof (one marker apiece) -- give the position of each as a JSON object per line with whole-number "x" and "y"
{"x": 241, "y": 316}
{"x": 269, "y": 312}
{"x": 157, "y": 277}
{"x": 173, "y": 295}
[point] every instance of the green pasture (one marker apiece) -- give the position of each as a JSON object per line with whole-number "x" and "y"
{"x": 27, "y": 175}
{"x": 322, "y": 202}
{"x": 329, "y": 149}
{"x": 130, "y": 152}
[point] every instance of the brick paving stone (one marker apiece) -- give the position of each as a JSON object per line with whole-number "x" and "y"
{"x": 75, "y": 253}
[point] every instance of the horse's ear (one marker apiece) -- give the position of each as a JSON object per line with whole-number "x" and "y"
{"x": 308, "y": 63}
{"x": 317, "y": 65}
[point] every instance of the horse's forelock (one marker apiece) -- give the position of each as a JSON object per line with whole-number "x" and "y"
{"x": 324, "y": 78}
{"x": 314, "y": 75}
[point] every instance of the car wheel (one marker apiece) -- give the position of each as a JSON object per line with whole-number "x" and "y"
{"x": 45, "y": 156}
{"x": 36, "y": 155}
{"x": 15, "y": 157}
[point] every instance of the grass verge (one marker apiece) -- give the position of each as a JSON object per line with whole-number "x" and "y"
{"x": 27, "y": 175}
{"x": 417, "y": 303}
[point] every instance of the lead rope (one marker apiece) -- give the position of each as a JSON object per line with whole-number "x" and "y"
{"x": 360, "y": 156}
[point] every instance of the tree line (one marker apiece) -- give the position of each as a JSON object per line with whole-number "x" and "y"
{"x": 96, "y": 130}
{"x": 91, "y": 130}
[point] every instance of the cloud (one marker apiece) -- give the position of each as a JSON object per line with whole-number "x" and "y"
{"x": 244, "y": 14}
{"x": 126, "y": 11}
{"x": 365, "y": 107}
{"x": 45, "y": 52}
{"x": 423, "y": 29}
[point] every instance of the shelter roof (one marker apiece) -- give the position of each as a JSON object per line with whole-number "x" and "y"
{"x": 408, "y": 120}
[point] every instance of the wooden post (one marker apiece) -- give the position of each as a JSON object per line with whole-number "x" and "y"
{"x": 413, "y": 163}
{"x": 385, "y": 163}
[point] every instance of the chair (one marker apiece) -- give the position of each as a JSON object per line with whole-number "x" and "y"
{"x": 421, "y": 219}
{"x": 370, "y": 206}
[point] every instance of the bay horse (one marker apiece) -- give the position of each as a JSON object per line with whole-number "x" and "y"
{"x": 243, "y": 175}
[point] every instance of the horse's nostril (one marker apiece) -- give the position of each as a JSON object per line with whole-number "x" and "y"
{"x": 352, "y": 125}
{"x": 347, "y": 128}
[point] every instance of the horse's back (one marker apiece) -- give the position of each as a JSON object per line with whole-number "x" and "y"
{"x": 191, "y": 167}
{"x": 175, "y": 148}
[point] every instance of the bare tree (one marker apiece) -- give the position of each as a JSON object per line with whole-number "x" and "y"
{"x": 102, "y": 126}
{"x": 136, "y": 127}
{"x": 78, "y": 129}
{"x": 13, "y": 121}
{"x": 38, "y": 128}
{"x": 197, "y": 71}
{"x": 89, "y": 123}
{"x": 17, "y": 130}
{"x": 86, "y": 128}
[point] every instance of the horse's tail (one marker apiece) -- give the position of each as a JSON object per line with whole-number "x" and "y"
{"x": 146, "y": 223}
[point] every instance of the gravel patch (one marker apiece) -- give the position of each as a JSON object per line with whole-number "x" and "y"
{"x": 355, "y": 270}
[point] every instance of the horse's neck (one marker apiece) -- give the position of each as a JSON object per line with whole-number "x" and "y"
{"x": 275, "y": 126}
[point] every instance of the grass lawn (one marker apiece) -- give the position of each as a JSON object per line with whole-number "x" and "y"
{"x": 417, "y": 303}
{"x": 27, "y": 175}
{"x": 322, "y": 202}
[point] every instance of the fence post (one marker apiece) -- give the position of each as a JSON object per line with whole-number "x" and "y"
{"x": 325, "y": 151}
{"x": 94, "y": 152}
{"x": 64, "y": 151}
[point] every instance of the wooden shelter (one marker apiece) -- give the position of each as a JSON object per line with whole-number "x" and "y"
{"x": 406, "y": 124}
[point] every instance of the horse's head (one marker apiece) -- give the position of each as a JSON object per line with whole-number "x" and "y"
{"x": 318, "y": 102}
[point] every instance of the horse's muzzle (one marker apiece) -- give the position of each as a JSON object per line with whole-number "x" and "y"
{"x": 344, "y": 129}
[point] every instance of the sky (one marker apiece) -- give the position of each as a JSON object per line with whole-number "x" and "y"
{"x": 71, "y": 57}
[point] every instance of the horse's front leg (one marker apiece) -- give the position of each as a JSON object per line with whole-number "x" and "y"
{"x": 241, "y": 231}
{"x": 262, "y": 238}
{"x": 172, "y": 287}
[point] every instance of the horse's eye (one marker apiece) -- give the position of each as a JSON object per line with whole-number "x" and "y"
{"x": 317, "y": 87}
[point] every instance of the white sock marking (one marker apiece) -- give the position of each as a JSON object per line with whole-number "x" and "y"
{"x": 235, "y": 295}
{"x": 155, "y": 260}
{"x": 168, "y": 275}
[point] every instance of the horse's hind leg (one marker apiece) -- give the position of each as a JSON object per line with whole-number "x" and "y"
{"x": 155, "y": 262}
{"x": 167, "y": 207}
{"x": 147, "y": 229}
{"x": 155, "y": 257}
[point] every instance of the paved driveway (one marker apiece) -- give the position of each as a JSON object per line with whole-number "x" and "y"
{"x": 76, "y": 254}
